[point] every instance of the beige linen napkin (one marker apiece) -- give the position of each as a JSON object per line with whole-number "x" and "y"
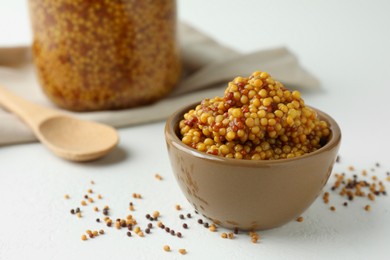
{"x": 208, "y": 67}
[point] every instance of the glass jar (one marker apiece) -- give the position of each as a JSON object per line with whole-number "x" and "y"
{"x": 105, "y": 54}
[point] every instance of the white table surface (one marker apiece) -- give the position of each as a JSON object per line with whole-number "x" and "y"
{"x": 346, "y": 44}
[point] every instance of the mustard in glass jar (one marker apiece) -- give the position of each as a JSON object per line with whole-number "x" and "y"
{"x": 105, "y": 54}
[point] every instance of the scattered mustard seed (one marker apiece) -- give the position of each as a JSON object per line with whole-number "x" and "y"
{"x": 90, "y": 191}
{"x": 167, "y": 248}
{"x": 83, "y": 203}
{"x": 224, "y": 235}
{"x": 178, "y": 207}
{"x": 231, "y": 235}
{"x": 367, "y": 208}
{"x": 96, "y": 209}
{"x": 99, "y": 196}
{"x": 212, "y": 228}
{"x": 101, "y": 232}
{"x": 78, "y": 214}
{"x": 84, "y": 237}
{"x": 66, "y": 196}
{"x": 156, "y": 214}
{"x": 90, "y": 200}
{"x": 299, "y": 219}
{"x": 92, "y": 182}
{"x": 158, "y": 176}
{"x": 332, "y": 208}
{"x": 182, "y": 251}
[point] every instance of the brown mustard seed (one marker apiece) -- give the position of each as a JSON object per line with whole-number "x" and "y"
{"x": 178, "y": 234}
{"x": 92, "y": 182}
{"x": 332, "y": 208}
{"x": 235, "y": 230}
{"x": 181, "y": 216}
{"x": 167, "y": 229}
{"x": 86, "y": 196}
{"x": 98, "y": 220}
{"x": 101, "y": 232}
{"x": 185, "y": 225}
{"x": 182, "y": 251}
{"x": 147, "y": 216}
{"x": 66, "y": 196}
{"x": 91, "y": 235}
{"x": 167, "y": 248}
{"x": 77, "y": 210}
{"x": 128, "y": 233}
{"x": 72, "y": 211}
{"x": 84, "y": 237}
{"x": 299, "y": 219}
{"x": 189, "y": 215}
{"x": 147, "y": 230}
{"x": 206, "y": 225}
{"x": 150, "y": 225}
{"x": 172, "y": 232}
{"x": 224, "y": 235}
{"x": 345, "y": 204}
{"x": 200, "y": 221}
{"x": 367, "y": 208}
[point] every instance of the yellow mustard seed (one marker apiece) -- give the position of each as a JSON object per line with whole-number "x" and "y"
{"x": 182, "y": 251}
{"x": 167, "y": 248}
{"x": 99, "y": 196}
{"x": 90, "y": 191}
{"x": 78, "y": 214}
{"x": 231, "y": 235}
{"x": 156, "y": 214}
{"x": 66, "y": 196}
{"x": 224, "y": 235}
{"x": 96, "y": 209}
{"x": 83, "y": 203}
{"x": 84, "y": 237}
{"x": 178, "y": 207}
{"x": 158, "y": 176}
{"x": 367, "y": 208}
{"x": 90, "y": 200}
{"x": 299, "y": 219}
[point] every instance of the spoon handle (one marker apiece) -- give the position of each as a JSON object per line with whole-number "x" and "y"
{"x": 30, "y": 113}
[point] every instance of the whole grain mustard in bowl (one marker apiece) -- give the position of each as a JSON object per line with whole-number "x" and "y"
{"x": 255, "y": 158}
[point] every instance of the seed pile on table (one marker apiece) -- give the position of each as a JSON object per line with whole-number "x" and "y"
{"x": 356, "y": 185}
{"x": 256, "y": 119}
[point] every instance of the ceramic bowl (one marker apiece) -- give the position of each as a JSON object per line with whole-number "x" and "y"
{"x": 245, "y": 194}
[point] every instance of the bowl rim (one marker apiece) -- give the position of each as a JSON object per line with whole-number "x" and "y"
{"x": 171, "y": 135}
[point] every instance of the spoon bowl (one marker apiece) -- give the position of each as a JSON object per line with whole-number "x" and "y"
{"x": 67, "y": 137}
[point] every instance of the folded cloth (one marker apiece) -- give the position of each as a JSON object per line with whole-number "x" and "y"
{"x": 208, "y": 66}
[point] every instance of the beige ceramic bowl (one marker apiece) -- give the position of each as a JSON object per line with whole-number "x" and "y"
{"x": 250, "y": 194}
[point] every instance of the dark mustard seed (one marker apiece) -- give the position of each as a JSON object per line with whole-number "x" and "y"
{"x": 72, "y": 211}
{"x": 178, "y": 234}
{"x": 188, "y": 215}
{"x": 200, "y": 221}
{"x": 128, "y": 233}
{"x": 147, "y": 231}
{"x": 185, "y": 225}
{"x": 147, "y": 216}
{"x": 98, "y": 220}
{"x": 206, "y": 225}
{"x": 77, "y": 210}
{"x": 167, "y": 229}
{"x": 235, "y": 230}
{"x": 172, "y": 232}
{"x": 150, "y": 225}
{"x": 345, "y": 204}
{"x": 181, "y": 216}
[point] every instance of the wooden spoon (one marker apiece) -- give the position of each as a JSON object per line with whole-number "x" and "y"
{"x": 70, "y": 138}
